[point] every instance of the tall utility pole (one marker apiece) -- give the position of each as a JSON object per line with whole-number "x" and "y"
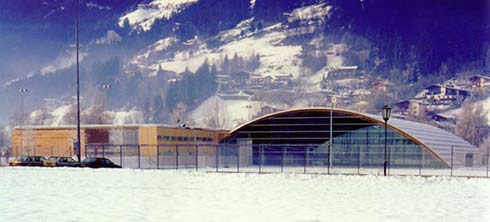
{"x": 77, "y": 144}
{"x": 106, "y": 88}
{"x": 21, "y": 120}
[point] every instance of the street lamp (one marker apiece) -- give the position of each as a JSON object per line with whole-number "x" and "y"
{"x": 106, "y": 88}
{"x": 249, "y": 107}
{"x": 22, "y": 92}
{"x": 386, "y": 116}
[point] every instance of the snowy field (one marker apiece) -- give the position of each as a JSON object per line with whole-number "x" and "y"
{"x": 47, "y": 194}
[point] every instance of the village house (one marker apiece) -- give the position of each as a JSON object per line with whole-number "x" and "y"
{"x": 439, "y": 94}
{"x": 341, "y": 72}
{"x": 282, "y": 80}
{"x": 480, "y": 82}
{"x": 240, "y": 79}
{"x": 260, "y": 82}
{"x": 406, "y": 108}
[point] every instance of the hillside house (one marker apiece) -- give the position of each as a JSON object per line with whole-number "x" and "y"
{"x": 480, "y": 82}
{"x": 449, "y": 95}
{"x": 240, "y": 79}
{"x": 341, "y": 72}
{"x": 410, "y": 107}
{"x": 282, "y": 80}
{"x": 260, "y": 82}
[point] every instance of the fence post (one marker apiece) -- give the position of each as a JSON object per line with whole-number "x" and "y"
{"x": 158, "y": 156}
{"x": 328, "y": 158}
{"x": 197, "y": 158}
{"x": 488, "y": 155}
{"x": 305, "y": 159}
{"x": 103, "y": 151}
{"x": 176, "y": 157}
{"x": 452, "y": 155}
{"x": 139, "y": 156}
{"x": 260, "y": 158}
{"x": 390, "y": 157}
{"x": 237, "y": 159}
{"x": 120, "y": 155}
{"x": 421, "y": 160}
{"x": 282, "y": 159}
{"x": 217, "y": 157}
{"x": 358, "y": 160}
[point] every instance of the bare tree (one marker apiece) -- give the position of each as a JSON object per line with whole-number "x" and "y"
{"x": 217, "y": 116}
{"x": 70, "y": 116}
{"x": 178, "y": 115}
{"x": 472, "y": 124}
{"x": 40, "y": 116}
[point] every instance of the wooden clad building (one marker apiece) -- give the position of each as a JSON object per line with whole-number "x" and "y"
{"x": 59, "y": 140}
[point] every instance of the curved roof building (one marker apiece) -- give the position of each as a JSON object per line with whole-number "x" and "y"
{"x": 325, "y": 136}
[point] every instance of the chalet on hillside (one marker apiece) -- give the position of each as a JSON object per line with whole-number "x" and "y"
{"x": 341, "y": 72}
{"x": 260, "y": 82}
{"x": 381, "y": 86}
{"x": 441, "y": 93}
{"x": 282, "y": 80}
{"x": 479, "y": 81}
{"x": 223, "y": 82}
{"x": 241, "y": 78}
{"x": 409, "y": 108}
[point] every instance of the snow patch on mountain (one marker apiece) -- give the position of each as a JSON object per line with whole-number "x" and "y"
{"x": 252, "y": 4}
{"x": 59, "y": 115}
{"x": 110, "y": 38}
{"x": 132, "y": 116}
{"x": 145, "y": 16}
{"x": 236, "y": 111}
{"x": 62, "y": 62}
{"x": 308, "y": 13}
{"x": 94, "y": 5}
{"x": 276, "y": 58}
{"x": 154, "y": 49}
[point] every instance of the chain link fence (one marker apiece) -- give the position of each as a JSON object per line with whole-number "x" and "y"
{"x": 302, "y": 158}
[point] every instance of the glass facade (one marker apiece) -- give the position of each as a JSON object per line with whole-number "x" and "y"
{"x": 325, "y": 137}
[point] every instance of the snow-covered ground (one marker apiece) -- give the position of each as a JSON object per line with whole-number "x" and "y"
{"x": 47, "y": 194}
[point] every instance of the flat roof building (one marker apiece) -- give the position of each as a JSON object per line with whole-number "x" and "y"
{"x": 58, "y": 140}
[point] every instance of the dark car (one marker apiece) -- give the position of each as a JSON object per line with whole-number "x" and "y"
{"x": 28, "y": 161}
{"x": 97, "y": 162}
{"x": 61, "y": 161}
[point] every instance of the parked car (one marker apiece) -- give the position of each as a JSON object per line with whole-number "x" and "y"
{"x": 28, "y": 161}
{"x": 98, "y": 162}
{"x": 61, "y": 161}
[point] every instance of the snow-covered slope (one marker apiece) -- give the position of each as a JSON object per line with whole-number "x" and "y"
{"x": 146, "y": 14}
{"x": 275, "y": 56}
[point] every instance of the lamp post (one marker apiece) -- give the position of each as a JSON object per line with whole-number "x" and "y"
{"x": 386, "y": 116}
{"x": 77, "y": 144}
{"x": 21, "y": 120}
{"x": 249, "y": 107}
{"x": 106, "y": 88}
